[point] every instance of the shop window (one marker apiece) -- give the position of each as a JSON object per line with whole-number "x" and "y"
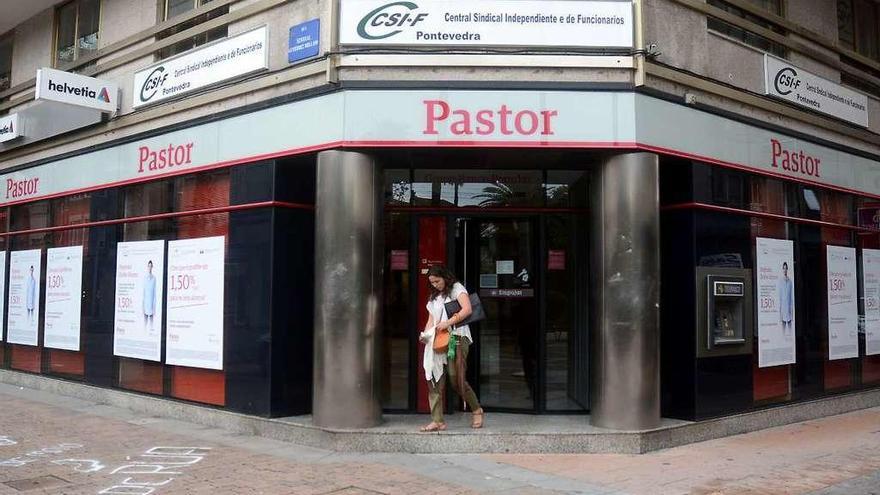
{"x": 768, "y": 196}
{"x": 398, "y": 188}
{"x": 867, "y": 211}
{"x": 153, "y": 198}
{"x": 5, "y": 62}
{"x": 4, "y": 222}
{"x": 194, "y": 192}
{"x": 478, "y": 188}
{"x": 26, "y": 217}
{"x": 566, "y": 189}
{"x": 397, "y": 336}
{"x": 76, "y": 30}
{"x": 749, "y": 38}
{"x": 174, "y": 8}
{"x": 70, "y": 210}
{"x": 197, "y": 192}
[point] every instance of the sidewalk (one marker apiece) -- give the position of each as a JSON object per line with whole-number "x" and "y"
{"x": 52, "y": 444}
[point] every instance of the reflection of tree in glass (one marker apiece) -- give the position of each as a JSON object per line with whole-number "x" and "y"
{"x": 557, "y": 194}
{"x": 400, "y": 191}
{"x": 497, "y": 194}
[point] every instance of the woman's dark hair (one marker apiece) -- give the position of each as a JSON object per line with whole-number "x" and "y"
{"x": 447, "y": 276}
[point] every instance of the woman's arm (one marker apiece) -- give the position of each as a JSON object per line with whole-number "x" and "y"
{"x": 430, "y": 322}
{"x": 465, "y": 302}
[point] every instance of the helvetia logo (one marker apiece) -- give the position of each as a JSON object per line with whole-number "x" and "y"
{"x": 7, "y": 129}
{"x": 786, "y": 81}
{"x": 388, "y": 20}
{"x": 104, "y": 95}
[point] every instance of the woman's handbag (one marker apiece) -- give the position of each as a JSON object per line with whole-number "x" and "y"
{"x": 477, "y": 313}
{"x": 441, "y": 341}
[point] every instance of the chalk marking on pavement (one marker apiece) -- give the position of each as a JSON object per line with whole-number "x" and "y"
{"x": 81, "y": 465}
{"x": 155, "y": 461}
{"x": 6, "y": 441}
{"x": 40, "y": 454}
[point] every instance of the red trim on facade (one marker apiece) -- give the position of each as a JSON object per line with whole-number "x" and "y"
{"x": 164, "y": 216}
{"x": 490, "y": 144}
{"x": 477, "y": 209}
{"x": 761, "y": 214}
{"x": 745, "y": 168}
{"x": 446, "y": 144}
{"x": 188, "y": 171}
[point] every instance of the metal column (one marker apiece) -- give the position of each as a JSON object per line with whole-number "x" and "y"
{"x": 348, "y": 290}
{"x": 625, "y": 268}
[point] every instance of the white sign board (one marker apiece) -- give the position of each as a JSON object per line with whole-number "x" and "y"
{"x": 226, "y": 59}
{"x": 77, "y": 90}
{"x": 546, "y": 23}
{"x": 843, "y": 310}
{"x": 795, "y": 85}
{"x": 195, "y": 302}
{"x": 137, "y": 329}
{"x": 24, "y": 297}
{"x": 775, "y": 302}
{"x": 63, "y": 297}
{"x": 2, "y": 289}
{"x": 10, "y": 127}
{"x": 871, "y": 289}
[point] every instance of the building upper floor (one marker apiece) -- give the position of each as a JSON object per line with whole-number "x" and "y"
{"x": 810, "y": 66}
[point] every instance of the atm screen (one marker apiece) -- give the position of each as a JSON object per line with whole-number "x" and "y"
{"x": 728, "y": 288}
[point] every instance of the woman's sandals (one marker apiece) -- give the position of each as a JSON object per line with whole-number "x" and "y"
{"x": 477, "y": 421}
{"x": 432, "y": 426}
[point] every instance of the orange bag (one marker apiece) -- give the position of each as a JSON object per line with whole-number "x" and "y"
{"x": 441, "y": 341}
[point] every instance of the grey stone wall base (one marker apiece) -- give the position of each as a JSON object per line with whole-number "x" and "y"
{"x": 384, "y": 439}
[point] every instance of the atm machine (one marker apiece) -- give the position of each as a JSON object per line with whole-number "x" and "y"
{"x": 725, "y": 316}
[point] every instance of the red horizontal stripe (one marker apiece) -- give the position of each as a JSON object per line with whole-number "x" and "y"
{"x": 446, "y": 144}
{"x": 164, "y": 216}
{"x": 477, "y": 209}
{"x": 762, "y": 214}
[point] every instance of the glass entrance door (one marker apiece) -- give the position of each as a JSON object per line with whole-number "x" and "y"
{"x": 496, "y": 257}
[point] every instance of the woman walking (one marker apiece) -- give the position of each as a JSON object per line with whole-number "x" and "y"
{"x": 444, "y": 289}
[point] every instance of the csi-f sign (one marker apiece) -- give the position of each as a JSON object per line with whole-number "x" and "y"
{"x": 529, "y": 23}
{"x": 77, "y": 90}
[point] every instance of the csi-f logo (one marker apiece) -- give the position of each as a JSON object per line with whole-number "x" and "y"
{"x": 154, "y": 81}
{"x": 786, "y": 81}
{"x": 386, "y": 21}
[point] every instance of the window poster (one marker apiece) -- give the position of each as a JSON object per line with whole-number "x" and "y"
{"x": 195, "y": 302}
{"x": 775, "y": 302}
{"x": 843, "y": 310}
{"x": 24, "y": 297}
{"x": 871, "y": 279}
{"x": 2, "y": 289}
{"x": 137, "y": 328}
{"x": 63, "y": 297}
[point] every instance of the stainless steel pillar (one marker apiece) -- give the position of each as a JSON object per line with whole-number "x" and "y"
{"x": 625, "y": 374}
{"x": 348, "y": 290}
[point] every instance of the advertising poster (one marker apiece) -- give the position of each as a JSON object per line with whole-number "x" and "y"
{"x": 195, "y": 302}
{"x": 137, "y": 329}
{"x": 775, "y": 302}
{"x": 871, "y": 279}
{"x": 2, "y": 289}
{"x": 63, "y": 297}
{"x": 843, "y": 309}
{"x": 24, "y": 297}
